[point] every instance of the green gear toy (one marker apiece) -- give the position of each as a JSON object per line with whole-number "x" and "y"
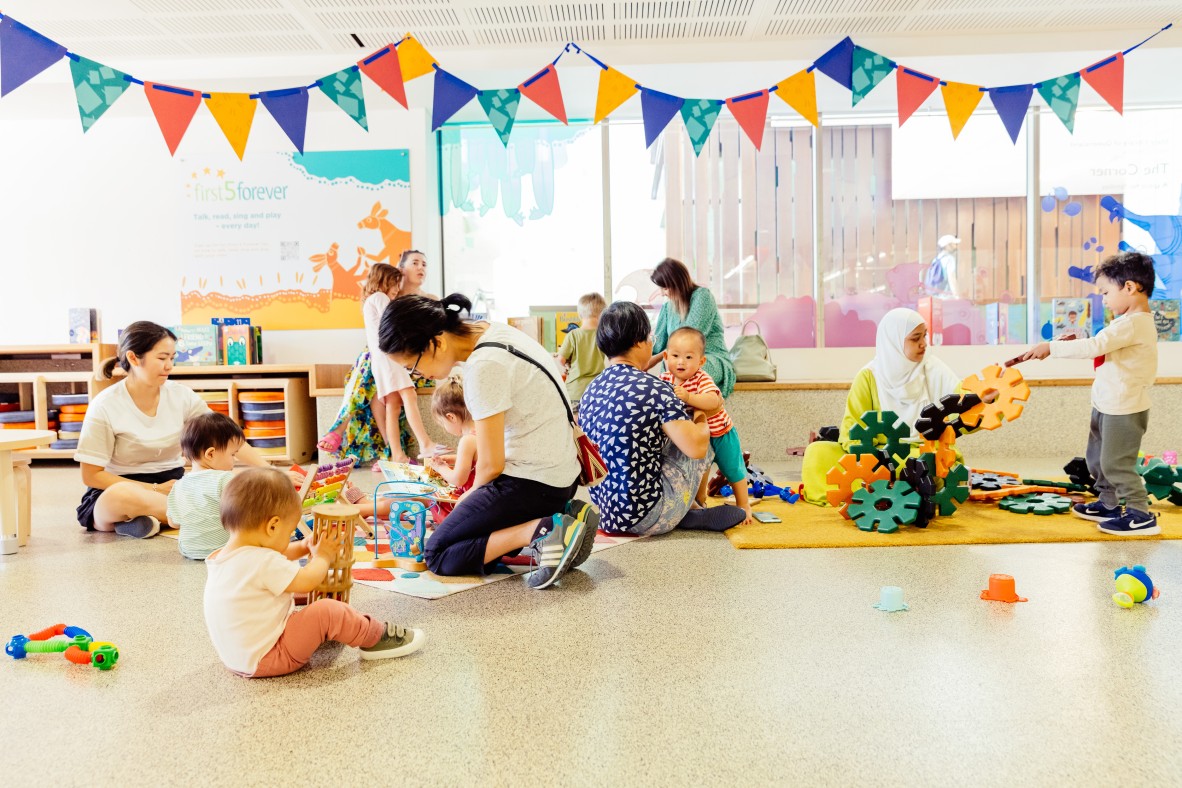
{"x": 1036, "y": 503}
{"x": 955, "y": 490}
{"x": 885, "y": 505}
{"x": 881, "y": 430}
{"x": 1159, "y": 478}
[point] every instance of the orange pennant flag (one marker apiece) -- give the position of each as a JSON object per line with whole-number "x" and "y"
{"x": 1108, "y": 79}
{"x": 960, "y": 100}
{"x": 386, "y": 72}
{"x": 751, "y": 113}
{"x": 234, "y": 113}
{"x": 799, "y": 91}
{"x": 174, "y": 109}
{"x": 544, "y": 90}
{"x": 415, "y": 60}
{"x": 614, "y": 89}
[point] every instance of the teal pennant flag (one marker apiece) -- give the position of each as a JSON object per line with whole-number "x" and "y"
{"x": 1062, "y": 96}
{"x": 501, "y": 108}
{"x": 869, "y": 68}
{"x": 699, "y": 115}
{"x": 96, "y": 87}
{"x": 344, "y": 88}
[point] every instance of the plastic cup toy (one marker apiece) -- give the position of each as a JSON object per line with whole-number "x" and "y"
{"x": 890, "y": 600}
{"x": 1001, "y": 589}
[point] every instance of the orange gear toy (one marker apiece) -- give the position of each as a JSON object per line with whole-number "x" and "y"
{"x": 866, "y": 468}
{"x": 1011, "y": 390}
{"x": 943, "y": 452}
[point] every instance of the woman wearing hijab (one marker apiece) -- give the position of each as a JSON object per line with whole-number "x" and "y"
{"x": 901, "y": 378}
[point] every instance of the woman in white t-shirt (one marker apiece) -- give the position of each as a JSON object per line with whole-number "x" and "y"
{"x": 130, "y": 447}
{"x": 526, "y": 469}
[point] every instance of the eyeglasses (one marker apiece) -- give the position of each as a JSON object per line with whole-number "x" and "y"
{"x": 414, "y": 373}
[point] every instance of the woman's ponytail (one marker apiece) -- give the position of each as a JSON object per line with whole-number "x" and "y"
{"x": 411, "y": 323}
{"x": 138, "y": 338}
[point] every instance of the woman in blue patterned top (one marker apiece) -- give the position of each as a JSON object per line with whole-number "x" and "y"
{"x": 655, "y": 451}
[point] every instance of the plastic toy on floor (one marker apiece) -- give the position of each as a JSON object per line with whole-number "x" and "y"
{"x": 880, "y": 430}
{"x": 884, "y": 505}
{"x": 992, "y": 480}
{"x": 848, "y": 472}
{"x": 1133, "y": 586}
{"x": 1037, "y": 503}
{"x": 80, "y": 648}
{"x": 1001, "y": 589}
{"x": 1160, "y": 479}
{"x": 1077, "y": 471}
{"x": 890, "y": 600}
{"x": 406, "y": 528}
{"x": 934, "y": 418}
{"x": 1011, "y": 392}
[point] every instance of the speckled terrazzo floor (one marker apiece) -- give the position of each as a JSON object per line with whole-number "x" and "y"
{"x": 672, "y": 661}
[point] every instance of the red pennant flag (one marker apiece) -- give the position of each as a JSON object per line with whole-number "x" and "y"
{"x": 1108, "y": 79}
{"x": 386, "y": 72}
{"x": 174, "y": 109}
{"x": 543, "y": 89}
{"x": 913, "y": 90}
{"x": 751, "y": 112}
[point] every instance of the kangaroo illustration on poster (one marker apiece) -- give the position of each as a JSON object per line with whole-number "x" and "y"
{"x": 346, "y": 283}
{"x": 394, "y": 240}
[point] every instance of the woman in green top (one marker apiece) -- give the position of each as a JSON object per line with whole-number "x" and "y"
{"x": 691, "y": 305}
{"x": 902, "y": 377}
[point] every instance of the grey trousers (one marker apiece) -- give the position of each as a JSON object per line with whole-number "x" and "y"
{"x": 1113, "y": 445}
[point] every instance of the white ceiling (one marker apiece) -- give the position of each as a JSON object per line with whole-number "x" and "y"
{"x": 152, "y": 29}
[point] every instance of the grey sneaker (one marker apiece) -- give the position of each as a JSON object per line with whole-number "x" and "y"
{"x": 556, "y": 549}
{"x": 581, "y": 510}
{"x": 140, "y": 527}
{"x": 396, "y": 641}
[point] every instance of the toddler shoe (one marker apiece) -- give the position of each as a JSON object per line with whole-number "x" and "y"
{"x": 396, "y": 641}
{"x": 1132, "y": 523}
{"x": 1095, "y": 511}
{"x": 556, "y": 546}
{"x": 140, "y": 527}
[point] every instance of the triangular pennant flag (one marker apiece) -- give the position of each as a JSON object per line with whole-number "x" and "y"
{"x": 415, "y": 60}
{"x": 24, "y": 53}
{"x": 1062, "y": 96}
{"x": 501, "y": 108}
{"x": 386, "y": 72}
{"x": 451, "y": 94}
{"x": 614, "y": 89}
{"x": 96, "y": 87}
{"x": 1106, "y": 78}
{"x": 174, "y": 109}
{"x": 699, "y": 116}
{"x": 234, "y": 113}
{"x": 869, "y": 68}
{"x": 799, "y": 91}
{"x": 657, "y": 109}
{"x": 959, "y": 102}
{"x": 751, "y": 112}
{"x": 912, "y": 89}
{"x": 544, "y": 90}
{"x": 838, "y": 63}
{"x": 1011, "y": 104}
{"x": 289, "y": 108}
{"x": 344, "y": 88}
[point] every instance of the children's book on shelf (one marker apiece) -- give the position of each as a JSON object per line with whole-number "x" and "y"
{"x": 564, "y": 322}
{"x": 1165, "y": 318}
{"x": 236, "y": 339}
{"x": 196, "y": 345}
{"x": 84, "y": 326}
{"x": 1071, "y": 316}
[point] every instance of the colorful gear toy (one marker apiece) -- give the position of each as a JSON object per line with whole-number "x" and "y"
{"x": 884, "y": 505}
{"x": 1159, "y": 478}
{"x": 954, "y": 491}
{"x": 992, "y": 481}
{"x": 1011, "y": 390}
{"x": 942, "y": 451}
{"x": 934, "y": 418}
{"x": 918, "y": 472}
{"x": 1038, "y": 503}
{"x": 1077, "y": 471}
{"x": 849, "y": 470}
{"x": 885, "y": 425}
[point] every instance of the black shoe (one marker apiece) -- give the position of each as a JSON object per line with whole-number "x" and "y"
{"x": 1131, "y": 523}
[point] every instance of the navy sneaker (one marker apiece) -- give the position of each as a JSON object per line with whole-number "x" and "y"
{"x": 1132, "y": 523}
{"x": 1095, "y": 511}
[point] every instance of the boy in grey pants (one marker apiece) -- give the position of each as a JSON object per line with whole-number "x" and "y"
{"x": 1125, "y": 356}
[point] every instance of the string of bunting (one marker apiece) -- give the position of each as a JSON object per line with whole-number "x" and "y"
{"x": 25, "y": 53}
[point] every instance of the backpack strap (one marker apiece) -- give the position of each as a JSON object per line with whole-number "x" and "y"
{"x": 525, "y": 357}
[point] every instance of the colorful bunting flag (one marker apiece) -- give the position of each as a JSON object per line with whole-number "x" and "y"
{"x": 544, "y": 90}
{"x": 1062, "y": 96}
{"x": 174, "y": 109}
{"x": 959, "y": 102}
{"x": 838, "y": 63}
{"x": 234, "y": 113}
{"x": 1011, "y": 104}
{"x": 414, "y": 59}
{"x": 912, "y": 90}
{"x": 1106, "y": 78}
{"x": 383, "y": 68}
{"x": 501, "y": 108}
{"x": 799, "y": 91}
{"x": 346, "y": 91}
{"x": 289, "y": 108}
{"x": 699, "y": 116}
{"x": 751, "y": 113}
{"x": 24, "y": 53}
{"x": 657, "y": 109}
{"x": 869, "y": 68}
{"x": 614, "y": 89}
{"x": 451, "y": 94}
{"x": 96, "y": 87}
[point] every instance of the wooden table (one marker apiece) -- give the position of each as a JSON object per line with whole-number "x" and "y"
{"x": 10, "y": 441}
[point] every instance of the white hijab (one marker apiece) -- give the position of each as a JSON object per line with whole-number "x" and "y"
{"x": 905, "y": 386}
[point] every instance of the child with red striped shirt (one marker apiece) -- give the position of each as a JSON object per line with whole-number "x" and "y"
{"x": 685, "y": 355}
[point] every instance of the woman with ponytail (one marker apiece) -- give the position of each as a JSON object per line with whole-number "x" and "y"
{"x": 526, "y": 467}
{"x": 130, "y": 445}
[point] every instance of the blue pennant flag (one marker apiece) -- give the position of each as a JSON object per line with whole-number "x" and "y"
{"x": 1011, "y": 104}
{"x": 838, "y": 63}
{"x": 657, "y": 109}
{"x": 289, "y": 108}
{"x": 451, "y": 94}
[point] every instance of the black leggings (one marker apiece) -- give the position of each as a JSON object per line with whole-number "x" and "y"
{"x": 458, "y": 544}
{"x": 85, "y": 509}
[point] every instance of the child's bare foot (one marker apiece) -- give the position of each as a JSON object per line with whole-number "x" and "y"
{"x": 750, "y": 516}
